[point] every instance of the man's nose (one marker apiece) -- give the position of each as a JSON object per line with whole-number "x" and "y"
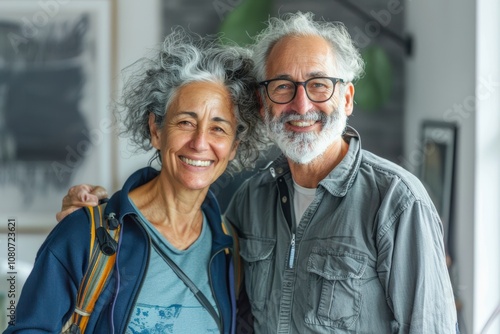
{"x": 301, "y": 103}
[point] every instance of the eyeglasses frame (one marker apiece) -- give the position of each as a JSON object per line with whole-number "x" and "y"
{"x": 334, "y": 80}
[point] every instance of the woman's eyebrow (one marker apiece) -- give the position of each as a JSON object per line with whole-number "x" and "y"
{"x": 195, "y": 116}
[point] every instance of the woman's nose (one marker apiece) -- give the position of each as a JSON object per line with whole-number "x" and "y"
{"x": 200, "y": 140}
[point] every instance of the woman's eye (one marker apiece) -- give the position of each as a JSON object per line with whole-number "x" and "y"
{"x": 185, "y": 123}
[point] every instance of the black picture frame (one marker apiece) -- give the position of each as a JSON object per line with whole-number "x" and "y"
{"x": 437, "y": 170}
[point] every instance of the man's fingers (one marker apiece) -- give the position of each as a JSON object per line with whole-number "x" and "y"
{"x": 80, "y": 196}
{"x": 85, "y": 194}
{"x": 99, "y": 192}
{"x": 75, "y": 190}
{"x": 83, "y": 198}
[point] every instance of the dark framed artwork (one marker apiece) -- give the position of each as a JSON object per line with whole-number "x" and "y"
{"x": 439, "y": 141}
{"x": 55, "y": 126}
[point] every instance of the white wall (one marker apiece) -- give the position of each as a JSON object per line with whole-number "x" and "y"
{"x": 446, "y": 82}
{"x": 138, "y": 32}
{"x": 487, "y": 166}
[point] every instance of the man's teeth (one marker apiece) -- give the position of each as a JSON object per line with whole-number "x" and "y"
{"x": 302, "y": 123}
{"x": 196, "y": 163}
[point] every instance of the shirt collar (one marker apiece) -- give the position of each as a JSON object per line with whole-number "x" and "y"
{"x": 341, "y": 178}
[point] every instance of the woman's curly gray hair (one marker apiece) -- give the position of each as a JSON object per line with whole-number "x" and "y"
{"x": 348, "y": 59}
{"x": 186, "y": 58}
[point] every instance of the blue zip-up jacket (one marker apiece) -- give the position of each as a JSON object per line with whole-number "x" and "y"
{"x": 49, "y": 295}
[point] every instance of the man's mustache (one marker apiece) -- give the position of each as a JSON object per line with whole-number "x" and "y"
{"x": 313, "y": 116}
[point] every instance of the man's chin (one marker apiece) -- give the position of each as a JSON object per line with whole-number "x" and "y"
{"x": 301, "y": 156}
{"x": 303, "y": 160}
{"x": 306, "y": 151}
{"x": 304, "y": 148}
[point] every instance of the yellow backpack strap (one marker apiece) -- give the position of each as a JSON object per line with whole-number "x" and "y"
{"x": 238, "y": 269}
{"x": 102, "y": 257}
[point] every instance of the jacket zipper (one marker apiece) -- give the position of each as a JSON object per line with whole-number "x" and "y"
{"x": 292, "y": 252}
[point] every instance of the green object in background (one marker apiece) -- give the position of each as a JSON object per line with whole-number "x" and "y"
{"x": 374, "y": 88}
{"x": 246, "y": 20}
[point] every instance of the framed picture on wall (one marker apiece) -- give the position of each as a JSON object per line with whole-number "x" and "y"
{"x": 55, "y": 125}
{"x": 439, "y": 141}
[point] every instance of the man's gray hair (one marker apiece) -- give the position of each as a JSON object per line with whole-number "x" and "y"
{"x": 184, "y": 58}
{"x": 348, "y": 59}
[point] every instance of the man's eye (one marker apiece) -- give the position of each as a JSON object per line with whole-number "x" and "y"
{"x": 283, "y": 87}
{"x": 319, "y": 84}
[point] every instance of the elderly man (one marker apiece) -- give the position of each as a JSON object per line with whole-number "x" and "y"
{"x": 333, "y": 238}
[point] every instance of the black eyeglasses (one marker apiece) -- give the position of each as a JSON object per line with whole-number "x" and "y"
{"x": 283, "y": 91}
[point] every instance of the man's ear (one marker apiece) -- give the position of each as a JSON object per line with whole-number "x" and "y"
{"x": 349, "y": 98}
{"x": 154, "y": 131}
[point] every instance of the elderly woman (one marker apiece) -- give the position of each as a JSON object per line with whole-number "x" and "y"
{"x": 195, "y": 105}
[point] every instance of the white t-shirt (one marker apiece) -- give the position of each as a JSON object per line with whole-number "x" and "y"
{"x": 302, "y": 198}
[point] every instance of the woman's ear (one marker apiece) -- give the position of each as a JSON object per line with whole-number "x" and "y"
{"x": 154, "y": 131}
{"x": 234, "y": 149}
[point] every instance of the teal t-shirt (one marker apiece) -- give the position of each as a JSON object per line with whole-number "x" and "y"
{"x": 165, "y": 304}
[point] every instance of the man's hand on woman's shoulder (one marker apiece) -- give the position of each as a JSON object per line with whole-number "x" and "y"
{"x": 80, "y": 196}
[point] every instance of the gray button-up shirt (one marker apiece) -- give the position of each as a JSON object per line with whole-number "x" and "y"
{"x": 366, "y": 257}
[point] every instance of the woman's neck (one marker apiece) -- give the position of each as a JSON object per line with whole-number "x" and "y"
{"x": 175, "y": 213}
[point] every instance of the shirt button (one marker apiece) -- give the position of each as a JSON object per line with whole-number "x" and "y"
{"x": 284, "y": 199}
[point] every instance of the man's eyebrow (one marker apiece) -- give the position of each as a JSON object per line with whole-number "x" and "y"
{"x": 195, "y": 116}
{"x": 283, "y": 76}
{"x": 318, "y": 74}
{"x": 309, "y": 75}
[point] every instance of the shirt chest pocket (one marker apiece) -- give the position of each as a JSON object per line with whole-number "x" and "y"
{"x": 257, "y": 255}
{"x": 335, "y": 279}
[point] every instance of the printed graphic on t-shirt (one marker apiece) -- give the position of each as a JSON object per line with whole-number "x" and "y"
{"x": 153, "y": 319}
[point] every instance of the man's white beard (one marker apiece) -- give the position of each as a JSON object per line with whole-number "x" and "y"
{"x": 304, "y": 147}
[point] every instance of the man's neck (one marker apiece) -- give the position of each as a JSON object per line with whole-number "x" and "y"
{"x": 309, "y": 175}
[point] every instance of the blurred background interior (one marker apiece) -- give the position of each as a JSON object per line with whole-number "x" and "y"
{"x": 429, "y": 102}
